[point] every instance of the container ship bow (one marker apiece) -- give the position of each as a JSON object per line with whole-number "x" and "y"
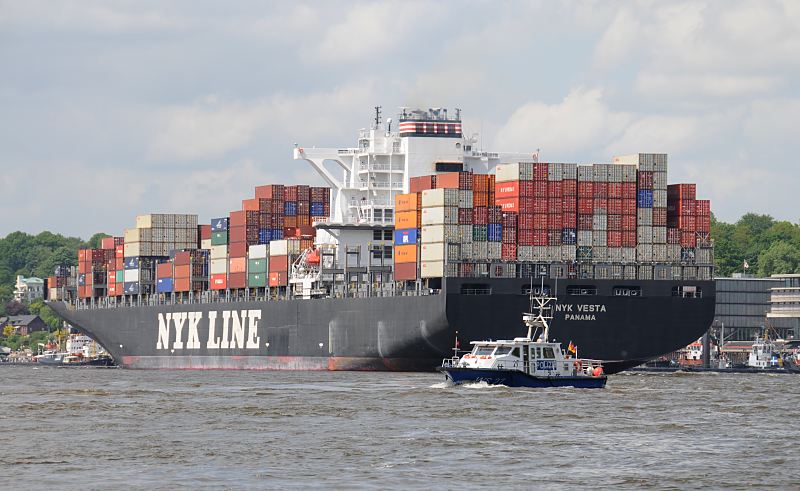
{"x": 418, "y": 240}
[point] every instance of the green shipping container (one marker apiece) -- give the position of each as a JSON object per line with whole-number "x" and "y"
{"x": 256, "y": 280}
{"x": 257, "y": 266}
{"x": 120, "y": 275}
{"x": 219, "y": 238}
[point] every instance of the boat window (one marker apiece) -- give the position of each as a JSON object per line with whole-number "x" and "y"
{"x": 538, "y": 352}
{"x": 627, "y": 291}
{"x": 581, "y": 290}
{"x": 503, "y": 350}
{"x": 548, "y": 352}
{"x": 484, "y": 350}
{"x": 516, "y": 352}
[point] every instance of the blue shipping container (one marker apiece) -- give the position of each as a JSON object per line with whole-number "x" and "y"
{"x": 264, "y": 236}
{"x": 219, "y": 224}
{"x": 494, "y": 232}
{"x": 290, "y": 208}
{"x": 131, "y": 288}
{"x": 405, "y": 236}
{"x": 317, "y": 209}
{"x": 568, "y": 236}
{"x": 131, "y": 263}
{"x": 645, "y": 198}
{"x": 164, "y": 285}
{"x": 277, "y": 234}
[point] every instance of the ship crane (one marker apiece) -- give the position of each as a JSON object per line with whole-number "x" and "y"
{"x": 306, "y": 274}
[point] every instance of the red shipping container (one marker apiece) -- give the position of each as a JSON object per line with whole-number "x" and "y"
{"x": 540, "y": 221}
{"x": 645, "y": 179}
{"x": 509, "y": 189}
{"x": 600, "y": 205}
{"x": 614, "y": 238}
{"x": 182, "y": 284}
{"x": 569, "y": 204}
{"x": 83, "y": 255}
{"x": 554, "y": 205}
{"x": 569, "y": 220}
{"x": 110, "y": 264}
{"x": 480, "y": 183}
{"x": 702, "y": 207}
{"x": 687, "y": 223}
{"x": 182, "y": 257}
{"x": 615, "y": 222}
{"x": 601, "y": 190}
{"x": 525, "y": 237}
{"x": 507, "y": 204}
{"x": 281, "y": 278}
{"x": 688, "y": 239}
{"x": 278, "y": 264}
{"x": 237, "y": 281}
{"x": 270, "y": 191}
{"x": 615, "y": 190}
{"x": 585, "y": 189}
{"x": 405, "y": 271}
{"x": 447, "y": 180}
{"x": 480, "y": 199}
{"x": 585, "y": 222}
{"x": 204, "y": 231}
{"x": 628, "y": 206}
{"x": 237, "y": 234}
{"x": 629, "y": 238}
{"x": 107, "y": 243}
{"x": 119, "y": 263}
{"x": 508, "y": 252}
{"x": 119, "y": 251}
{"x": 629, "y": 222}
{"x": 509, "y": 220}
{"x": 540, "y": 171}
{"x": 629, "y": 190}
{"x": 540, "y": 189}
{"x": 682, "y": 192}
{"x": 509, "y": 236}
{"x": 164, "y": 270}
{"x": 540, "y": 237}
{"x": 554, "y": 237}
{"x": 554, "y": 223}
{"x": 113, "y": 290}
{"x": 237, "y": 249}
{"x": 290, "y": 193}
{"x": 673, "y": 236}
{"x": 303, "y": 192}
{"x": 659, "y": 217}
{"x": 250, "y": 204}
{"x": 422, "y": 183}
{"x": 614, "y": 206}
{"x": 218, "y": 281}
{"x": 183, "y": 271}
{"x": 554, "y": 189}
{"x": 540, "y": 205}
{"x": 569, "y": 187}
{"x": 480, "y": 215}
{"x": 585, "y": 206}
{"x": 525, "y": 220}
{"x": 703, "y": 223}
{"x": 465, "y": 216}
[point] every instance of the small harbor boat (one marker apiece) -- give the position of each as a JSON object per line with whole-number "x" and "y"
{"x": 525, "y": 362}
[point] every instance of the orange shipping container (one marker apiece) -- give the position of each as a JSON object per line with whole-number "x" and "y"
{"x": 406, "y": 219}
{"x": 112, "y": 290}
{"x": 250, "y": 204}
{"x": 237, "y": 265}
{"x": 278, "y": 278}
{"x": 183, "y": 271}
{"x": 507, "y": 189}
{"x": 405, "y": 202}
{"x": 182, "y": 284}
{"x": 507, "y": 204}
{"x": 218, "y": 281}
{"x": 164, "y": 270}
{"x": 447, "y": 181}
{"x": 405, "y": 254}
{"x": 119, "y": 252}
{"x": 278, "y": 264}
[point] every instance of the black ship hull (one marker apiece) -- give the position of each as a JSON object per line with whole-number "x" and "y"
{"x": 398, "y": 333}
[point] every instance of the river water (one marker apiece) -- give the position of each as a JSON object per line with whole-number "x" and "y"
{"x": 92, "y": 428}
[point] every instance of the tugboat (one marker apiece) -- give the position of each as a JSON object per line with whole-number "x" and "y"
{"x": 523, "y": 362}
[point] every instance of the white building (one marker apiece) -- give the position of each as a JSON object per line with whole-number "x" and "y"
{"x": 28, "y": 289}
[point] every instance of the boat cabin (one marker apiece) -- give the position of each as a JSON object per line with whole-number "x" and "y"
{"x": 532, "y": 357}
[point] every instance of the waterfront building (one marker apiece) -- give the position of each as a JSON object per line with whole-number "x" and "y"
{"x": 784, "y": 313}
{"x": 23, "y": 324}
{"x": 743, "y": 303}
{"x": 28, "y": 289}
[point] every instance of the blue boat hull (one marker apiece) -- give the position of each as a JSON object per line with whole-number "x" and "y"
{"x": 516, "y": 378}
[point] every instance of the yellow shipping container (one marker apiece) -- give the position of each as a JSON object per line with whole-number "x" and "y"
{"x": 405, "y": 254}
{"x": 405, "y": 202}
{"x": 406, "y": 219}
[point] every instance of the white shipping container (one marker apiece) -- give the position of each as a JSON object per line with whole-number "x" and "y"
{"x": 585, "y": 173}
{"x": 599, "y": 253}
{"x": 584, "y": 237}
{"x": 628, "y": 254}
{"x": 219, "y": 252}
{"x": 284, "y": 247}
{"x": 540, "y": 253}
{"x": 660, "y": 198}
{"x": 205, "y": 244}
{"x": 568, "y": 253}
{"x": 599, "y": 222}
{"x": 660, "y": 253}
{"x": 599, "y": 238}
{"x": 257, "y": 251}
{"x": 644, "y": 216}
{"x": 673, "y": 253}
{"x": 644, "y": 253}
{"x": 525, "y": 253}
{"x": 466, "y": 251}
{"x": 659, "y": 235}
{"x": 660, "y": 181}
{"x": 217, "y": 266}
{"x": 440, "y": 197}
{"x": 522, "y": 171}
{"x": 464, "y": 198}
{"x": 628, "y": 172}
{"x": 440, "y": 233}
{"x": 645, "y": 272}
{"x": 432, "y": 269}
{"x": 704, "y": 255}
{"x": 494, "y": 251}
{"x": 480, "y": 251}
{"x": 615, "y": 254}
{"x": 600, "y": 172}
{"x": 554, "y": 172}
{"x": 615, "y": 173}
{"x": 440, "y": 215}
{"x": 569, "y": 171}
{"x": 644, "y": 235}
{"x": 465, "y": 234}
{"x": 553, "y": 253}
{"x": 131, "y": 276}
{"x": 704, "y": 272}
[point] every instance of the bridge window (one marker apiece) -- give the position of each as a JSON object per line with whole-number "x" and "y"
{"x": 449, "y": 166}
{"x": 581, "y": 290}
{"x": 387, "y": 234}
{"x": 687, "y": 291}
{"x": 503, "y": 350}
{"x": 627, "y": 291}
{"x": 377, "y": 234}
{"x": 476, "y": 289}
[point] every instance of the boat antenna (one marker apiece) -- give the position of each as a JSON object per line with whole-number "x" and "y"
{"x": 455, "y": 347}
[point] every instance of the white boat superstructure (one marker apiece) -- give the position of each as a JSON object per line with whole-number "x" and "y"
{"x": 365, "y": 179}
{"x": 764, "y": 353}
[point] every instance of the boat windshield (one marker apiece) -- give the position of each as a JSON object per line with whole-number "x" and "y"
{"x": 483, "y": 350}
{"x": 503, "y": 350}
{"x": 547, "y": 352}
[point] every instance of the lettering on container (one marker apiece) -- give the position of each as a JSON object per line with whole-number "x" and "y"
{"x": 181, "y": 330}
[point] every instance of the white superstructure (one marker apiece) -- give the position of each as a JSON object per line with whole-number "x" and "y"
{"x": 365, "y": 179}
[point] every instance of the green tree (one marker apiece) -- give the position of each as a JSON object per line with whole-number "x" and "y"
{"x": 781, "y": 257}
{"x": 94, "y": 242}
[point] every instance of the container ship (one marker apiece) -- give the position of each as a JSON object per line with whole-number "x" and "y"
{"x": 420, "y": 239}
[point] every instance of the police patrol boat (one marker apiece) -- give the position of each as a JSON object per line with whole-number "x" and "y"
{"x": 523, "y": 362}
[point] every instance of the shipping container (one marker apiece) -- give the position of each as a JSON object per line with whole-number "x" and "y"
{"x": 409, "y": 236}
{"x": 406, "y": 253}
{"x": 218, "y": 281}
{"x": 278, "y": 278}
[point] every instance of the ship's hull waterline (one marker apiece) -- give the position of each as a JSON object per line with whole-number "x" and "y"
{"x": 398, "y": 333}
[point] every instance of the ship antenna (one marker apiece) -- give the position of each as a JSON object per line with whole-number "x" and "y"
{"x": 377, "y": 117}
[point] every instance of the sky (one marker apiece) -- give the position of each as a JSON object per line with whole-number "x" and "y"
{"x": 117, "y": 108}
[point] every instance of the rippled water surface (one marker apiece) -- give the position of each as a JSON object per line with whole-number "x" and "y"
{"x": 110, "y": 428}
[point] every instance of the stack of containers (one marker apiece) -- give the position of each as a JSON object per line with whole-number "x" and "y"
{"x": 621, "y": 221}
{"x": 601, "y": 173}
{"x": 704, "y": 252}
{"x": 244, "y": 232}
{"x": 689, "y": 224}
{"x": 585, "y": 207}
{"x": 659, "y": 206}
{"x": 164, "y": 278}
{"x": 440, "y": 243}
{"x": 258, "y": 266}
{"x": 281, "y": 255}
{"x": 569, "y": 211}
{"x": 140, "y": 275}
{"x": 508, "y": 221}
{"x": 109, "y": 245}
{"x": 320, "y": 203}
{"x": 204, "y": 232}
{"x": 271, "y": 212}
{"x": 555, "y": 210}
{"x": 191, "y": 271}
{"x": 91, "y": 273}
{"x": 514, "y": 194}
{"x": 218, "y": 257}
{"x": 644, "y": 214}
{"x": 157, "y": 234}
{"x": 405, "y": 236}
